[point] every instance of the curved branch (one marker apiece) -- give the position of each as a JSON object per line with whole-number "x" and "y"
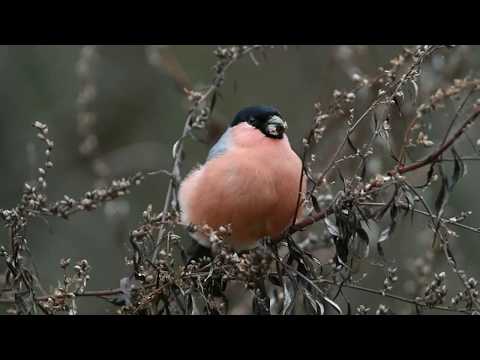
{"x": 437, "y": 154}
{"x": 398, "y": 170}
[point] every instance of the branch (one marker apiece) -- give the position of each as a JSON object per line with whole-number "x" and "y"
{"x": 385, "y": 97}
{"x": 398, "y": 171}
{"x": 437, "y": 154}
{"x": 397, "y": 297}
{"x": 98, "y": 293}
{"x": 443, "y": 220}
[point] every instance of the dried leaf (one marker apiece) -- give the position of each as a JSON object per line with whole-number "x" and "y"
{"x": 380, "y": 250}
{"x": 429, "y": 177}
{"x": 415, "y": 90}
{"x": 375, "y": 120}
{"x": 195, "y": 305}
{"x": 360, "y": 245}
{"x": 213, "y": 102}
{"x": 363, "y": 172}
{"x": 315, "y": 204}
{"x": 459, "y": 171}
{"x": 384, "y": 235}
{"x": 331, "y": 227}
{"x": 175, "y": 148}
{"x": 363, "y": 235}
{"x": 341, "y": 177}
{"x": 290, "y": 288}
{"x": 334, "y": 305}
{"x": 275, "y": 279}
{"x": 442, "y": 197}
{"x": 316, "y": 305}
{"x": 352, "y": 146}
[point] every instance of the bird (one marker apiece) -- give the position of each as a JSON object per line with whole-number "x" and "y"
{"x": 249, "y": 183}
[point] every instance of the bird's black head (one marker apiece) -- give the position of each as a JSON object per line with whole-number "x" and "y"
{"x": 267, "y": 119}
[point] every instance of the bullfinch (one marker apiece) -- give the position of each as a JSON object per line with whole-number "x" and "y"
{"x": 250, "y": 182}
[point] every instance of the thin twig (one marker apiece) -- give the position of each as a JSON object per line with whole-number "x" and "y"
{"x": 396, "y": 297}
{"x": 436, "y": 155}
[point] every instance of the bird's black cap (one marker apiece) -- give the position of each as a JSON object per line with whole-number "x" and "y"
{"x": 259, "y": 117}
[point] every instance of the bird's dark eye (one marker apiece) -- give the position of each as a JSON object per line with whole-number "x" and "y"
{"x": 251, "y": 120}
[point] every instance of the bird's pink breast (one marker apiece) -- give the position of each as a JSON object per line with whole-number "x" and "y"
{"x": 253, "y": 187}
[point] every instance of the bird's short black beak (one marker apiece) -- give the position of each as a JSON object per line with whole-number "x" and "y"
{"x": 276, "y": 127}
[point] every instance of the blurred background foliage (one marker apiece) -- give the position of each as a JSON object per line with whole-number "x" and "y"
{"x": 139, "y": 111}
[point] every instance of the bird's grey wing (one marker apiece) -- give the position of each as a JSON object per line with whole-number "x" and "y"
{"x": 220, "y": 147}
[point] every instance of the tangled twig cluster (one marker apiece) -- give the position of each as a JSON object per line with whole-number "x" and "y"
{"x": 285, "y": 275}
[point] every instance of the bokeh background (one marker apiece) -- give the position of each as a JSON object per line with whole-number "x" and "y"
{"x": 115, "y": 110}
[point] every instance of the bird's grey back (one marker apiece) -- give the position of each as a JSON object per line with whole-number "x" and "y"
{"x": 220, "y": 147}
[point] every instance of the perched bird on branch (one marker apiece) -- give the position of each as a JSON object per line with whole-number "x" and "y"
{"x": 249, "y": 183}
